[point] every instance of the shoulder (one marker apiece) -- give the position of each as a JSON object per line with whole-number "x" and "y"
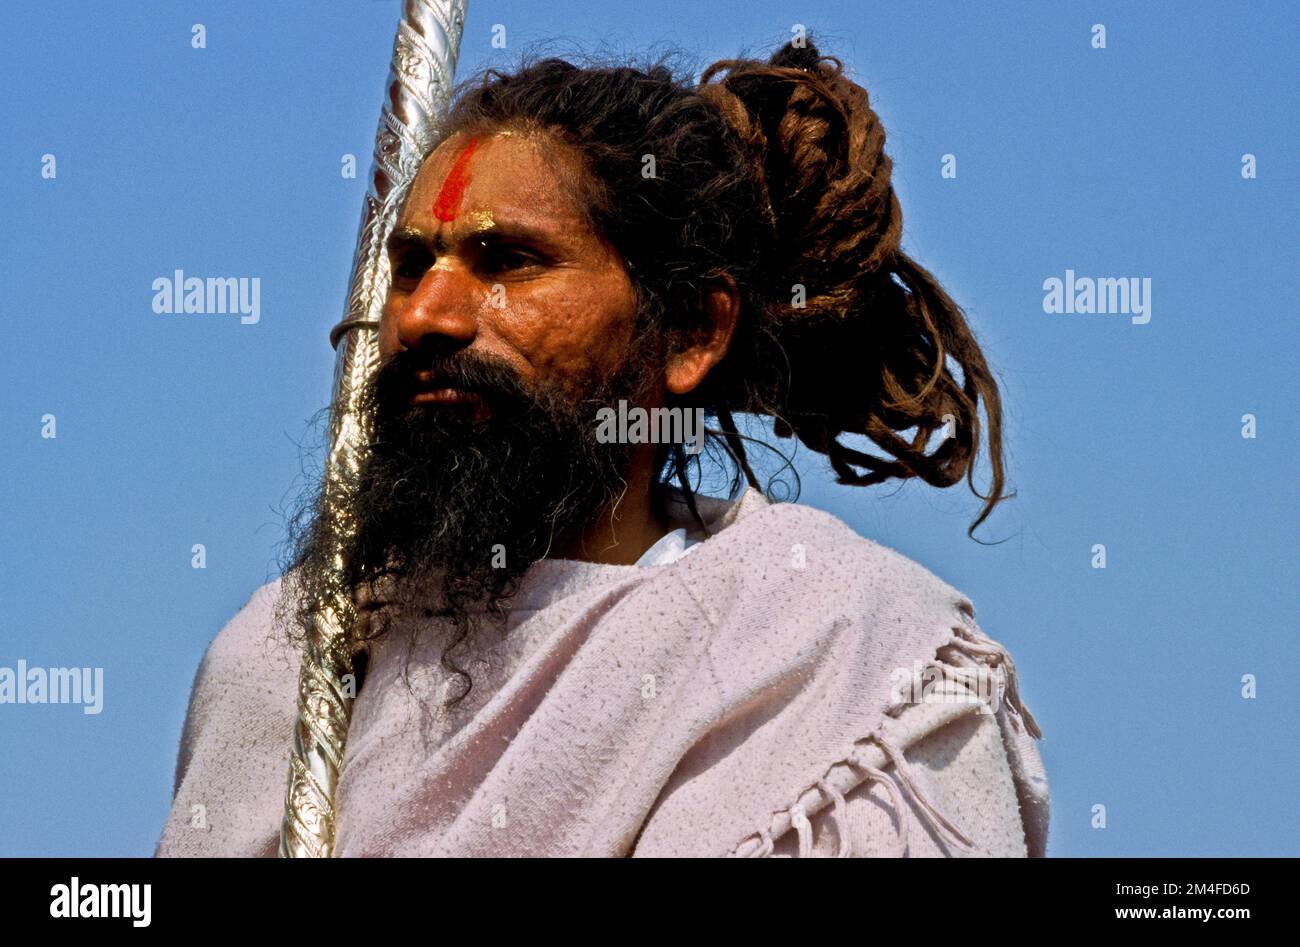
{"x": 787, "y": 561}
{"x": 932, "y": 728}
{"x": 880, "y": 658}
{"x": 247, "y": 673}
{"x": 230, "y": 767}
{"x": 252, "y": 650}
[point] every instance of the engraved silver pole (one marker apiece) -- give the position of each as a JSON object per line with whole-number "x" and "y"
{"x": 417, "y": 95}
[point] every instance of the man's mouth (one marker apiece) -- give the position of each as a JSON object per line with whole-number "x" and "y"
{"x": 432, "y": 387}
{"x": 445, "y": 395}
{"x": 432, "y": 391}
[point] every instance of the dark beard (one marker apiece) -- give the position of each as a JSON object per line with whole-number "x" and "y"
{"x": 451, "y": 510}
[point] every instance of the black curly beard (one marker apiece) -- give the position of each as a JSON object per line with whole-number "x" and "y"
{"x": 453, "y": 507}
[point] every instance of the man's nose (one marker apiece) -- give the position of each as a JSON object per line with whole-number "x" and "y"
{"x": 443, "y": 311}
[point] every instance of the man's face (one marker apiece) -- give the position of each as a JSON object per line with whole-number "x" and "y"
{"x": 493, "y": 255}
{"x": 508, "y": 325}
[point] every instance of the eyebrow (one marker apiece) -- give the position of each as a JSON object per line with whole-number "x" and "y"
{"x": 406, "y": 236}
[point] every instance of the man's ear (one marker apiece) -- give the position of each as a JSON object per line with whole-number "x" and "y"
{"x": 688, "y": 368}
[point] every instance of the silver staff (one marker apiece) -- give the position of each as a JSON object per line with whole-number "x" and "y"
{"x": 418, "y": 91}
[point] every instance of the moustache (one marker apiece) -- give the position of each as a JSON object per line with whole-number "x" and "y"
{"x": 455, "y": 379}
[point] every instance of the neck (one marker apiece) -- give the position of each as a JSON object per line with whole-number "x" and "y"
{"x": 621, "y": 535}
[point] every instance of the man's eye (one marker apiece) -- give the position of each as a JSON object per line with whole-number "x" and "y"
{"x": 505, "y": 259}
{"x": 411, "y": 266}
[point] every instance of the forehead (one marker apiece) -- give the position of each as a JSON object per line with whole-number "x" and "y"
{"x": 514, "y": 175}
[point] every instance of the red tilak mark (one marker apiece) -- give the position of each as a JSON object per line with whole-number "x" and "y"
{"x": 453, "y": 189}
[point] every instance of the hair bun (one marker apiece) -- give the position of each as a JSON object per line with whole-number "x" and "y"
{"x": 864, "y": 349}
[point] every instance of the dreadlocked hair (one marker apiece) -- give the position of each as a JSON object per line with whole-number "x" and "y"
{"x": 773, "y": 174}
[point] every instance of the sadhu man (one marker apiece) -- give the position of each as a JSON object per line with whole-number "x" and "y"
{"x": 566, "y": 650}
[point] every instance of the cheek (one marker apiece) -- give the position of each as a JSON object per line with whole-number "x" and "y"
{"x": 571, "y": 328}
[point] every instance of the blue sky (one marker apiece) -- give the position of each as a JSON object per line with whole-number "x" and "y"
{"x": 1116, "y": 162}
